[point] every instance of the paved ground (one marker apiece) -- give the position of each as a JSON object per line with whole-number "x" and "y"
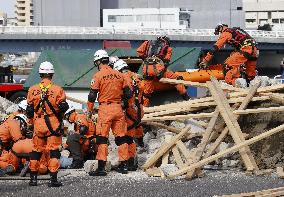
{"x": 138, "y": 184}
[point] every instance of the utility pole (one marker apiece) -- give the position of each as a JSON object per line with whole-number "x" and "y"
{"x": 160, "y": 14}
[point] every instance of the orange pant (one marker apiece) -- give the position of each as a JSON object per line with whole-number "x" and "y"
{"x": 237, "y": 59}
{"x": 50, "y": 144}
{"x": 134, "y": 132}
{"x": 149, "y": 87}
{"x": 111, "y": 116}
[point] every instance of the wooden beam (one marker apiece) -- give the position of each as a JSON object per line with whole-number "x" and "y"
{"x": 177, "y": 117}
{"x": 76, "y": 100}
{"x": 259, "y": 110}
{"x": 183, "y": 150}
{"x": 164, "y": 148}
{"x": 231, "y": 122}
{"x": 177, "y": 157}
{"x": 225, "y": 131}
{"x": 228, "y": 151}
{"x": 205, "y": 140}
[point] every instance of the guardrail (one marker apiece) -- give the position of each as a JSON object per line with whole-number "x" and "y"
{"x": 140, "y": 31}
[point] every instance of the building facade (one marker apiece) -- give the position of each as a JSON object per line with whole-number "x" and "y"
{"x": 261, "y": 12}
{"x": 3, "y": 19}
{"x": 67, "y": 13}
{"x": 201, "y": 14}
{"x": 24, "y": 12}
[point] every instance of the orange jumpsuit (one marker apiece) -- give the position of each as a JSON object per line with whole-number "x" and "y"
{"x": 153, "y": 71}
{"x": 21, "y": 150}
{"x": 44, "y": 138}
{"x": 109, "y": 84}
{"x": 10, "y": 131}
{"x": 81, "y": 120}
{"x": 246, "y": 54}
{"x": 133, "y": 118}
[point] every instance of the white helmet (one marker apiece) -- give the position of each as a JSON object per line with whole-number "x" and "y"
{"x": 22, "y": 118}
{"x": 119, "y": 65}
{"x": 99, "y": 54}
{"x": 23, "y": 105}
{"x": 113, "y": 59}
{"x": 46, "y": 68}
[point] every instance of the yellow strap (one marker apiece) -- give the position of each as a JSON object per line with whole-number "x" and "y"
{"x": 44, "y": 88}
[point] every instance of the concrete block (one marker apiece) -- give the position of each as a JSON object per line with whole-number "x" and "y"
{"x": 92, "y": 165}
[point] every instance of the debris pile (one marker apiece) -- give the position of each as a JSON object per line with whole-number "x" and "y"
{"x": 206, "y": 132}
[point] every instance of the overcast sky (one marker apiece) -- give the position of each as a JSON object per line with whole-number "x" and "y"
{"x": 8, "y": 6}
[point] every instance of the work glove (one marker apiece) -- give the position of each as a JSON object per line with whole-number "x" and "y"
{"x": 203, "y": 65}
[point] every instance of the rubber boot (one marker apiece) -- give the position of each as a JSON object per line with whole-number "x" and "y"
{"x": 100, "y": 171}
{"x": 33, "y": 180}
{"x": 53, "y": 180}
{"x": 122, "y": 167}
{"x": 132, "y": 165}
{"x": 6, "y": 170}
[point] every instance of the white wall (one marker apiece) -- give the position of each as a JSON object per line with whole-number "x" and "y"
{"x": 142, "y": 18}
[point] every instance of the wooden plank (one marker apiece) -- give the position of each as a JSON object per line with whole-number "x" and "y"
{"x": 277, "y": 98}
{"x": 177, "y": 157}
{"x": 76, "y": 100}
{"x": 257, "y": 193}
{"x": 183, "y": 149}
{"x": 205, "y": 139}
{"x": 165, "y": 157}
{"x": 152, "y": 160}
{"x": 228, "y": 151}
{"x": 178, "y": 117}
{"x": 225, "y": 131}
{"x": 259, "y": 110}
{"x": 231, "y": 122}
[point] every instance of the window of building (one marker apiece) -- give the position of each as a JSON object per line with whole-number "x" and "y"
{"x": 22, "y": 14}
{"x": 275, "y": 20}
{"x": 168, "y": 17}
{"x": 111, "y": 18}
{"x": 239, "y": 8}
{"x": 31, "y": 17}
{"x": 250, "y": 20}
{"x": 262, "y": 21}
{"x": 281, "y": 20}
{"x": 1, "y": 22}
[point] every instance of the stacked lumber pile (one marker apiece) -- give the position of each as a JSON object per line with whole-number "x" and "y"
{"x": 219, "y": 115}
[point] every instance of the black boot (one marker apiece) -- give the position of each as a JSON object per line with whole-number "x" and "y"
{"x": 100, "y": 171}
{"x": 132, "y": 165}
{"x": 53, "y": 180}
{"x": 122, "y": 167}
{"x": 185, "y": 97}
{"x": 6, "y": 170}
{"x": 33, "y": 180}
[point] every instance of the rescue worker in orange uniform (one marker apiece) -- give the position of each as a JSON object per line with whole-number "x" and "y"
{"x": 10, "y": 161}
{"x": 112, "y": 90}
{"x": 156, "y": 56}
{"x": 134, "y": 111}
{"x": 81, "y": 144}
{"x": 11, "y": 131}
{"x": 242, "y": 62}
{"x": 46, "y": 107}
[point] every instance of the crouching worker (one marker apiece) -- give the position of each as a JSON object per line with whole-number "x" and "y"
{"x": 11, "y": 161}
{"x": 81, "y": 144}
{"x": 46, "y": 107}
{"x": 111, "y": 88}
{"x": 133, "y": 113}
